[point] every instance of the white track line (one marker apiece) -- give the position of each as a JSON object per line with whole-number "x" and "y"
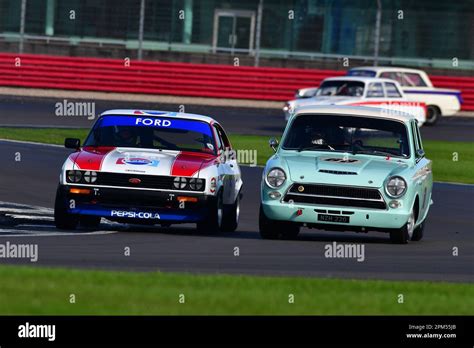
{"x": 33, "y": 213}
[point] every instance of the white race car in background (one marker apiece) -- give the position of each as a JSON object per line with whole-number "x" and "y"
{"x": 417, "y": 86}
{"x": 150, "y": 167}
{"x": 366, "y": 91}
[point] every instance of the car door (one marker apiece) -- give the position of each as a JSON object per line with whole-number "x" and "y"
{"x": 231, "y": 177}
{"x": 423, "y": 172}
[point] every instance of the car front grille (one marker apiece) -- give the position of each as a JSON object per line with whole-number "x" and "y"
{"x": 345, "y": 196}
{"x": 338, "y": 172}
{"x": 145, "y": 181}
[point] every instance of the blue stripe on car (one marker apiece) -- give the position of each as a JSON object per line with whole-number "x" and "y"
{"x": 457, "y": 94}
{"x": 157, "y": 122}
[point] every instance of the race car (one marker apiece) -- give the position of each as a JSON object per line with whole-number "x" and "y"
{"x": 151, "y": 167}
{"x": 347, "y": 168}
{"x": 360, "y": 91}
{"x": 417, "y": 86}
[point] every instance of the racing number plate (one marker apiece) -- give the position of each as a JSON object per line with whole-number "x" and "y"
{"x": 333, "y": 218}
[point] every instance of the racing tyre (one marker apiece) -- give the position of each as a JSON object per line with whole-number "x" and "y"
{"x": 89, "y": 221}
{"x": 274, "y": 229}
{"x": 62, "y": 219}
{"x": 231, "y": 216}
{"x": 213, "y": 223}
{"x": 404, "y": 234}
{"x": 433, "y": 114}
{"x": 418, "y": 232}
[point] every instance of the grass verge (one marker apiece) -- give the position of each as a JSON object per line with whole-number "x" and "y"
{"x": 453, "y": 161}
{"x": 44, "y": 291}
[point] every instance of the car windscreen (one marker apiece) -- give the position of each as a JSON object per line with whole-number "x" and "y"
{"x": 341, "y": 89}
{"x": 352, "y": 134}
{"x": 152, "y": 133}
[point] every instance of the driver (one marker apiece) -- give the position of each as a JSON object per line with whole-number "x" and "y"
{"x": 331, "y": 135}
{"x": 126, "y": 137}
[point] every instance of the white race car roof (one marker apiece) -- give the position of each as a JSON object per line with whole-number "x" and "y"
{"x": 364, "y": 79}
{"x": 387, "y": 68}
{"x": 157, "y": 113}
{"x": 348, "y": 110}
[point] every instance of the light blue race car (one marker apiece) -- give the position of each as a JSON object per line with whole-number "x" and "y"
{"x": 350, "y": 169}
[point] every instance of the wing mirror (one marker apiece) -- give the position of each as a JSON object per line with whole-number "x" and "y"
{"x": 420, "y": 153}
{"x": 273, "y": 143}
{"x": 72, "y": 143}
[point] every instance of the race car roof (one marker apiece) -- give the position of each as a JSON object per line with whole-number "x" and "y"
{"x": 364, "y": 79}
{"x": 157, "y": 113}
{"x": 348, "y": 110}
{"x": 386, "y": 68}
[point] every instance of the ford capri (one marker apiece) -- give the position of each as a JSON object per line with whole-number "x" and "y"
{"x": 346, "y": 168}
{"x": 150, "y": 167}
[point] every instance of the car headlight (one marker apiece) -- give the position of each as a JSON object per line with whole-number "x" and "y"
{"x": 196, "y": 184}
{"x": 90, "y": 177}
{"x": 396, "y": 186}
{"x": 180, "y": 182}
{"x": 74, "y": 175}
{"x": 276, "y": 177}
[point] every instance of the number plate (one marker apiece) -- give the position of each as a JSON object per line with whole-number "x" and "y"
{"x": 333, "y": 218}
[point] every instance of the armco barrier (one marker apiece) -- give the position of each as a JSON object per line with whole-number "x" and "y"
{"x": 181, "y": 79}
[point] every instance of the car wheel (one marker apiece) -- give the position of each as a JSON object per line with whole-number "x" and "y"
{"x": 418, "y": 232}
{"x": 404, "y": 234}
{"x": 274, "y": 229}
{"x": 433, "y": 114}
{"x": 213, "y": 223}
{"x": 90, "y": 221}
{"x": 62, "y": 219}
{"x": 231, "y": 216}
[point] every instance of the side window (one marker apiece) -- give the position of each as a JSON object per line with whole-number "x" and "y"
{"x": 392, "y": 90}
{"x": 392, "y": 75}
{"x": 413, "y": 80}
{"x": 218, "y": 139}
{"x": 223, "y": 136}
{"x": 416, "y": 136}
{"x": 375, "y": 90}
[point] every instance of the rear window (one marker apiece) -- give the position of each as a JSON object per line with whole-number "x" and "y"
{"x": 413, "y": 80}
{"x": 392, "y": 90}
{"x": 366, "y": 73}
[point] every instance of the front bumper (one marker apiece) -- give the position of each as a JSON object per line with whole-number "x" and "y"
{"x": 148, "y": 206}
{"x": 362, "y": 219}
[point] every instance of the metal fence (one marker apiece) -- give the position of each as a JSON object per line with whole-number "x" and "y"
{"x": 421, "y": 33}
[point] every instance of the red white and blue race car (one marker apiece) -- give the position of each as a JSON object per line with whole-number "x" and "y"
{"x": 151, "y": 167}
{"x": 382, "y": 93}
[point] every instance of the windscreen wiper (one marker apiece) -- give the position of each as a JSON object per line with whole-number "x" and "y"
{"x": 315, "y": 146}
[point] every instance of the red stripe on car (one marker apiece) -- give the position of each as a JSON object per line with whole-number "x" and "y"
{"x": 91, "y": 158}
{"x": 188, "y": 163}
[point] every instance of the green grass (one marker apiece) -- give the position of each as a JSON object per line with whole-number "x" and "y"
{"x": 43, "y": 291}
{"x": 441, "y": 152}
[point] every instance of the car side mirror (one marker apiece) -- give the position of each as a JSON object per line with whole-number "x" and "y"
{"x": 273, "y": 144}
{"x": 72, "y": 143}
{"x": 420, "y": 153}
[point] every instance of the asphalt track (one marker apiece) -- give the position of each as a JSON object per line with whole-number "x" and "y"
{"x": 32, "y": 182}
{"x": 40, "y": 112}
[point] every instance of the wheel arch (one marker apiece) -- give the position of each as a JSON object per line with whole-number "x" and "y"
{"x": 416, "y": 208}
